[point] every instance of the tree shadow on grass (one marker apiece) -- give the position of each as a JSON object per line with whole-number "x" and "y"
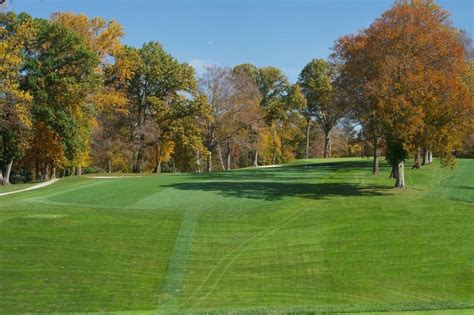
{"x": 288, "y": 172}
{"x": 277, "y": 190}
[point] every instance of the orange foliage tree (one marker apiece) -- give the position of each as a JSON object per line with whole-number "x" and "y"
{"x": 405, "y": 73}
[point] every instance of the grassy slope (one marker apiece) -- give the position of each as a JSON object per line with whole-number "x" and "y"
{"x": 13, "y": 187}
{"x": 323, "y": 236}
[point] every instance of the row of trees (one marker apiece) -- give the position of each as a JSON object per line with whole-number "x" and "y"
{"x": 73, "y": 96}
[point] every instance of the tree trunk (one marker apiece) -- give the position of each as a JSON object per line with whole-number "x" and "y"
{"x": 37, "y": 171}
{"x": 79, "y": 170}
{"x": 430, "y": 157}
{"x": 275, "y": 144}
{"x": 209, "y": 162}
{"x": 375, "y": 164}
{"x": 158, "y": 159}
{"x": 399, "y": 174}
{"x": 137, "y": 161}
{"x": 425, "y": 156}
{"x": 1, "y": 176}
{"x": 158, "y": 168}
{"x": 417, "y": 160}
{"x": 198, "y": 161}
{"x": 174, "y": 165}
{"x": 229, "y": 154}
{"x": 53, "y": 170}
{"x": 327, "y": 146}
{"x": 308, "y": 128}
{"x": 255, "y": 159}
{"x": 6, "y": 178}
{"x": 46, "y": 171}
{"x": 109, "y": 166}
{"x": 219, "y": 149}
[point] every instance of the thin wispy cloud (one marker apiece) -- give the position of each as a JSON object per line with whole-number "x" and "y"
{"x": 200, "y": 65}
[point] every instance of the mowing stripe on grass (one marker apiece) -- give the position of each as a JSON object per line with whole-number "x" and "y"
{"x": 174, "y": 278}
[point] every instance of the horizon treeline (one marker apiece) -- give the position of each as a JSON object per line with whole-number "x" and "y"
{"x": 75, "y": 99}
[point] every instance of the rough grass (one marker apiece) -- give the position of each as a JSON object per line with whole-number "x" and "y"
{"x": 313, "y": 236}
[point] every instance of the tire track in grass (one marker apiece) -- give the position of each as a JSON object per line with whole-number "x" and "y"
{"x": 173, "y": 283}
{"x": 234, "y": 254}
{"x": 237, "y": 252}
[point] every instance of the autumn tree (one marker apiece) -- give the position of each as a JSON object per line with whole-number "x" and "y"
{"x": 273, "y": 86}
{"x": 60, "y": 74}
{"x": 351, "y": 82}
{"x": 408, "y": 66}
{"x": 299, "y": 102}
{"x": 157, "y": 92}
{"x": 103, "y": 38}
{"x": 231, "y": 100}
{"x": 15, "y": 121}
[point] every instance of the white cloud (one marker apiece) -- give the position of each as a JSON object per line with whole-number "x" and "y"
{"x": 210, "y": 42}
{"x": 200, "y": 65}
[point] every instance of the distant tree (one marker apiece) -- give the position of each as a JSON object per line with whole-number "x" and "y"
{"x": 232, "y": 100}
{"x": 273, "y": 86}
{"x": 157, "y": 91}
{"x": 316, "y": 81}
{"x": 298, "y": 101}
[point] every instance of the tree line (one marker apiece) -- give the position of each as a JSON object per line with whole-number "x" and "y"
{"x": 73, "y": 97}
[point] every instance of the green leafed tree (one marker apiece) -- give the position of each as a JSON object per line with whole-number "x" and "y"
{"x": 158, "y": 92}
{"x": 322, "y": 102}
{"x": 60, "y": 74}
{"x": 16, "y": 32}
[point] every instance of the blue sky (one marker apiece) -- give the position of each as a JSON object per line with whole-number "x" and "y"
{"x": 282, "y": 33}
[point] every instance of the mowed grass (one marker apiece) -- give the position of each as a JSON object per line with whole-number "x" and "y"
{"x": 312, "y": 236}
{"x": 13, "y": 187}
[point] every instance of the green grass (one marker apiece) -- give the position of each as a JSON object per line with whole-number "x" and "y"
{"x": 313, "y": 236}
{"x": 13, "y": 187}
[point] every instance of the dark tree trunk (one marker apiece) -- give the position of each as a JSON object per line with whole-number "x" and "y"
{"x": 417, "y": 159}
{"x": 375, "y": 164}
{"x": 37, "y": 170}
{"x": 137, "y": 161}
{"x": 79, "y": 170}
{"x": 327, "y": 146}
{"x": 425, "y": 156}
{"x": 308, "y": 128}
